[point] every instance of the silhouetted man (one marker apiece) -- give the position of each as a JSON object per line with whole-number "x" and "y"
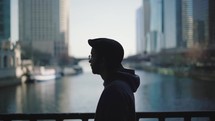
{"x": 117, "y": 99}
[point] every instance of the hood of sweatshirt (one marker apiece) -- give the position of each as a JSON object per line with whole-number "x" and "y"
{"x": 129, "y": 77}
{"x": 126, "y": 75}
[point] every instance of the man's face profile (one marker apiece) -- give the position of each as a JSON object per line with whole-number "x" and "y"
{"x": 94, "y": 62}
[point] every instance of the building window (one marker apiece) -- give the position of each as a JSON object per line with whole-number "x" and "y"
{"x": 0, "y": 61}
{"x": 11, "y": 61}
{"x": 17, "y": 62}
{"x": 5, "y": 62}
{"x": 1, "y": 27}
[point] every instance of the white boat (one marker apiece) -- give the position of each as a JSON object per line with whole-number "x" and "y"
{"x": 44, "y": 74}
{"x": 42, "y": 77}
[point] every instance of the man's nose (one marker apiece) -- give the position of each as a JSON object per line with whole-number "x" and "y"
{"x": 89, "y": 58}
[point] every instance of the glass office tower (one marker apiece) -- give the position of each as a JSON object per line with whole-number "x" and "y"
{"x": 4, "y": 20}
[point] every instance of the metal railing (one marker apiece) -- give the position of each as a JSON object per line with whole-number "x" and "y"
{"x": 161, "y": 116}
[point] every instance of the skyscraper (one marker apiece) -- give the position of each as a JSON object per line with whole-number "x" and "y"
{"x": 196, "y": 16}
{"x": 156, "y": 25}
{"x": 5, "y": 20}
{"x": 43, "y": 25}
{"x": 146, "y": 21}
{"x": 211, "y": 22}
{"x": 143, "y": 26}
{"x": 151, "y": 29}
{"x": 172, "y": 24}
{"x": 140, "y": 45}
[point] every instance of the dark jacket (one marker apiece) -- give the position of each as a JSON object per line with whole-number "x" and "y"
{"x": 117, "y": 100}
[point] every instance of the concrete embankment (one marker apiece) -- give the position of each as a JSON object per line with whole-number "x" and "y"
{"x": 10, "y": 76}
{"x": 176, "y": 71}
{"x": 9, "y": 81}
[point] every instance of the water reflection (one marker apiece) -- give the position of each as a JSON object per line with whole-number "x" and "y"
{"x": 36, "y": 98}
{"x": 80, "y": 93}
{"x": 169, "y": 93}
{"x": 10, "y": 95}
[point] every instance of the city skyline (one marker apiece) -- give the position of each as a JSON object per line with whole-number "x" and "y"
{"x": 175, "y": 24}
{"x": 116, "y": 20}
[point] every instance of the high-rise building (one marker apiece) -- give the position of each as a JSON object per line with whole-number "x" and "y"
{"x": 156, "y": 25}
{"x": 143, "y": 17}
{"x": 189, "y": 23}
{"x": 196, "y": 22}
{"x": 5, "y": 17}
{"x": 175, "y": 24}
{"x": 146, "y": 21}
{"x": 178, "y": 16}
{"x": 172, "y": 24}
{"x": 211, "y": 22}
{"x": 150, "y": 31}
{"x": 139, "y": 31}
{"x": 143, "y": 26}
{"x": 43, "y": 25}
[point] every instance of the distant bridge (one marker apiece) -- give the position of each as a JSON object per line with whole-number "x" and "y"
{"x": 80, "y": 59}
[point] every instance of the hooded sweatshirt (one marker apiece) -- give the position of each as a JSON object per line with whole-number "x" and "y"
{"x": 117, "y": 101}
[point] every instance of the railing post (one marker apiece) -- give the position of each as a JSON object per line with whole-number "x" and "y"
{"x": 212, "y": 118}
{"x": 187, "y": 118}
{"x": 161, "y": 119}
{"x": 33, "y": 119}
{"x": 84, "y": 119}
{"x": 59, "y": 119}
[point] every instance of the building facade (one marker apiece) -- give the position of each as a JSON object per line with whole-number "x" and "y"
{"x": 43, "y": 25}
{"x": 156, "y": 26}
{"x": 196, "y": 20}
{"x": 211, "y": 22}
{"x": 140, "y": 45}
{"x": 10, "y": 55}
{"x": 5, "y": 16}
{"x": 179, "y": 23}
{"x": 173, "y": 24}
{"x": 146, "y": 22}
{"x": 10, "y": 60}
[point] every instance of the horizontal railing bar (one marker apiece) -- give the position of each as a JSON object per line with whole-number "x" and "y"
{"x": 86, "y": 116}
{"x": 176, "y": 114}
{"x": 47, "y": 116}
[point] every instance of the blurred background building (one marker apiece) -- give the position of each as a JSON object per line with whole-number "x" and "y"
{"x": 44, "y": 28}
{"x": 175, "y": 24}
{"x": 10, "y": 54}
{"x": 140, "y": 45}
{"x": 5, "y": 16}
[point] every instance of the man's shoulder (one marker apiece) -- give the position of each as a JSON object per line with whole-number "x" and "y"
{"x": 117, "y": 86}
{"x": 117, "y": 83}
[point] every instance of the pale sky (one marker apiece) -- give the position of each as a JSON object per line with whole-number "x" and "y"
{"x": 102, "y": 18}
{"x": 89, "y": 19}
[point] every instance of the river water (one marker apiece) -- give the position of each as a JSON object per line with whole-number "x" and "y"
{"x": 80, "y": 93}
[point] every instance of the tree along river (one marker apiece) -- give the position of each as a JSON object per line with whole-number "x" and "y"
{"x": 80, "y": 93}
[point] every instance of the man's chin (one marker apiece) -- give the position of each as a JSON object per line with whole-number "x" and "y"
{"x": 95, "y": 72}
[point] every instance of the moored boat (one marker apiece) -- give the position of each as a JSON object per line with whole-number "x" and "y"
{"x": 43, "y": 74}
